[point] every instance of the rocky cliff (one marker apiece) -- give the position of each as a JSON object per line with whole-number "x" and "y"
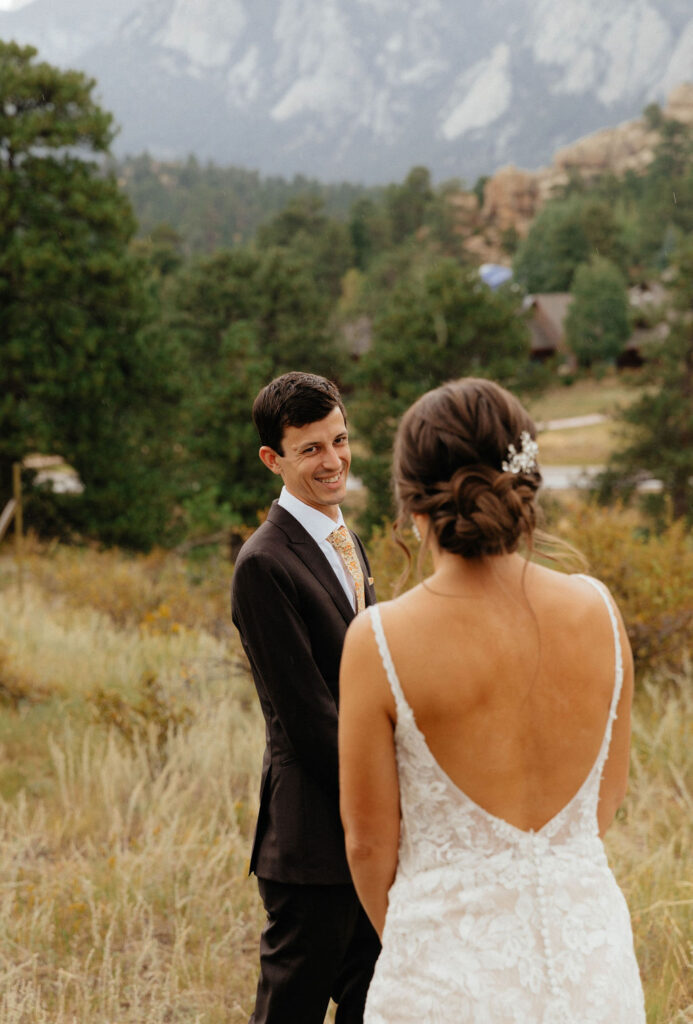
{"x": 513, "y": 197}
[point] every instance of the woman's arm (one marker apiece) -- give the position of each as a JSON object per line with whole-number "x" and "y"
{"x": 369, "y": 788}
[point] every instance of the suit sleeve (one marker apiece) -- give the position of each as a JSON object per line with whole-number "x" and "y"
{"x": 265, "y": 609}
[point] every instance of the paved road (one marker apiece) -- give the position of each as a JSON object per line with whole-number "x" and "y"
{"x": 556, "y": 478}
{"x": 590, "y": 420}
{"x": 563, "y": 478}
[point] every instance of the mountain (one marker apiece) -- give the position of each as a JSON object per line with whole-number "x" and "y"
{"x": 364, "y": 89}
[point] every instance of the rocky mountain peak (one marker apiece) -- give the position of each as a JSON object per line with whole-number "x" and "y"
{"x": 364, "y": 89}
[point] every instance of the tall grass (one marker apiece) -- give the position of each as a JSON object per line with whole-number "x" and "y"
{"x": 124, "y": 894}
{"x": 130, "y": 750}
{"x": 651, "y": 845}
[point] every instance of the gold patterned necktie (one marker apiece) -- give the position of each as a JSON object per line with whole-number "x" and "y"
{"x": 340, "y": 539}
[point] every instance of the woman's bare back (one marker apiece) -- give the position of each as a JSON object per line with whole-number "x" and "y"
{"x": 510, "y": 680}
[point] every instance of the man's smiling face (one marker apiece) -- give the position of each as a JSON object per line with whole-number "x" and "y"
{"x": 315, "y": 462}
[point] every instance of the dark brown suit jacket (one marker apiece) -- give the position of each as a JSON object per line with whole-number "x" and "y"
{"x": 292, "y": 614}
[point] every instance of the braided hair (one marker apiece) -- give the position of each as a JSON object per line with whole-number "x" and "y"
{"x": 448, "y": 465}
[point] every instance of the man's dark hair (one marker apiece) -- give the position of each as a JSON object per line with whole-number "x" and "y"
{"x": 293, "y": 400}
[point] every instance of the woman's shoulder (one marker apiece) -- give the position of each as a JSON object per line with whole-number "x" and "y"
{"x": 576, "y": 583}
{"x": 365, "y": 627}
{"x": 361, "y": 628}
{"x": 579, "y": 595}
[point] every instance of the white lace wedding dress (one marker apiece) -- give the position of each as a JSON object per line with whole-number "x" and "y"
{"x": 489, "y": 924}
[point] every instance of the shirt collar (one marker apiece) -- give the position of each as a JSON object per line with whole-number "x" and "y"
{"x": 316, "y": 523}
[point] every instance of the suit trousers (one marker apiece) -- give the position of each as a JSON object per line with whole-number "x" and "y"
{"x": 317, "y": 945}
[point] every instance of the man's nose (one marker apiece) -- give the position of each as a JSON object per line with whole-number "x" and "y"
{"x": 331, "y": 459}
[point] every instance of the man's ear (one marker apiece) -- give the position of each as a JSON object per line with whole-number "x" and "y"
{"x": 270, "y": 459}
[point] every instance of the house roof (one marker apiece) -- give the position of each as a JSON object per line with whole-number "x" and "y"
{"x": 548, "y": 311}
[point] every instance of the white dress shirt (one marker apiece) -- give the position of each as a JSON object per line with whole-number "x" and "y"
{"x": 320, "y": 526}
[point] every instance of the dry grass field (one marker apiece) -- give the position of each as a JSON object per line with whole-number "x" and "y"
{"x": 130, "y": 748}
{"x": 582, "y": 445}
{"x": 585, "y": 396}
{"x": 578, "y": 445}
{"x": 130, "y": 744}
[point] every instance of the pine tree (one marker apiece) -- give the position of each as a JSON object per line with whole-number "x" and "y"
{"x": 659, "y": 434}
{"x": 242, "y": 318}
{"x": 440, "y": 323}
{"x": 597, "y": 323}
{"x": 566, "y": 233}
{"x": 76, "y": 374}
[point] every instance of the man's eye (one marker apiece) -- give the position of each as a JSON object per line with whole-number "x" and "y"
{"x": 342, "y": 440}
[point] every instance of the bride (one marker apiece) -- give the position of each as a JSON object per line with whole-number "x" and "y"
{"x": 484, "y": 739}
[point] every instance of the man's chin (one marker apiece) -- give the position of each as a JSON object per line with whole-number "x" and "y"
{"x": 336, "y": 498}
{"x": 334, "y": 495}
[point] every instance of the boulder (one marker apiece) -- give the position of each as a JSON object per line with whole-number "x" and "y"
{"x": 680, "y": 103}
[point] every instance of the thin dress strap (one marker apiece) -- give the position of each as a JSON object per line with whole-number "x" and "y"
{"x": 400, "y": 700}
{"x": 402, "y": 705}
{"x": 618, "y": 666}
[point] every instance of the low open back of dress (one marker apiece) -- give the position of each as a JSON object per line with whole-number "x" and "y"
{"x": 404, "y": 708}
{"x": 490, "y": 923}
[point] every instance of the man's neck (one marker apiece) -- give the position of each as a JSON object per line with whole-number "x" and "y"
{"x": 332, "y": 512}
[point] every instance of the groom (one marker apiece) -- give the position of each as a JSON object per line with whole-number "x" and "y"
{"x": 297, "y": 584}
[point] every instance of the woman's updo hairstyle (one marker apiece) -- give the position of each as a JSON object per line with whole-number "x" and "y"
{"x": 448, "y": 465}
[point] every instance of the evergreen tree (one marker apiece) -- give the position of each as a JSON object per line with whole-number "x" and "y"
{"x": 597, "y": 324}
{"x": 566, "y": 233}
{"x": 293, "y": 316}
{"x": 659, "y": 425}
{"x": 229, "y": 484}
{"x": 408, "y": 204}
{"x": 370, "y": 231}
{"x": 76, "y": 376}
{"x": 221, "y": 207}
{"x": 322, "y": 243}
{"x": 440, "y": 324}
{"x": 664, "y": 213}
{"x": 242, "y": 317}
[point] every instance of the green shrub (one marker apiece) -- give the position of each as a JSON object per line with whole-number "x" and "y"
{"x": 649, "y": 574}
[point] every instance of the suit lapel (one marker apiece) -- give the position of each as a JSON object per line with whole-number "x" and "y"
{"x": 312, "y": 557}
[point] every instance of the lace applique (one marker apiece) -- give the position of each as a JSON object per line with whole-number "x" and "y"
{"x": 489, "y": 924}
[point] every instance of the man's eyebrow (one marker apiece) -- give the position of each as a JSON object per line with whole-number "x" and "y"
{"x": 312, "y": 444}
{"x": 304, "y": 444}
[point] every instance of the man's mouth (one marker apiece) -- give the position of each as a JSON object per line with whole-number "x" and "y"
{"x": 331, "y": 479}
